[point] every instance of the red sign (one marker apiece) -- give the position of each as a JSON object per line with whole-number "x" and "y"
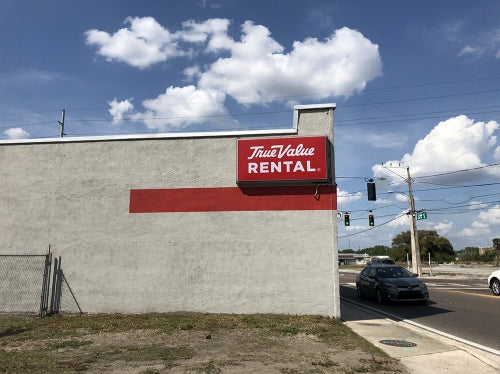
{"x": 282, "y": 159}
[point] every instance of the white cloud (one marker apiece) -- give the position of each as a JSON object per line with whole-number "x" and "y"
{"x": 255, "y": 71}
{"x": 182, "y": 106}
{"x": 486, "y": 223}
{"x": 192, "y": 72}
{"x": 30, "y": 78}
{"x": 216, "y": 28}
{"x": 258, "y": 71}
{"x": 120, "y": 109}
{"x": 477, "y": 229}
{"x": 443, "y": 228}
{"x": 496, "y": 154}
{"x": 393, "y": 172}
{"x": 145, "y": 43}
{"x": 16, "y": 133}
{"x": 402, "y": 198}
{"x": 468, "y": 50}
{"x": 382, "y": 202}
{"x": 491, "y": 216}
{"x": 477, "y": 205}
{"x": 344, "y": 198}
{"x": 458, "y": 143}
{"x": 480, "y": 43}
{"x": 402, "y": 221}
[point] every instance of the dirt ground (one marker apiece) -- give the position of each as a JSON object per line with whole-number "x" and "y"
{"x": 246, "y": 352}
{"x": 189, "y": 344}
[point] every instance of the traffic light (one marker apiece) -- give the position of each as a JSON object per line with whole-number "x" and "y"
{"x": 372, "y": 193}
{"x": 347, "y": 221}
{"x": 371, "y": 220}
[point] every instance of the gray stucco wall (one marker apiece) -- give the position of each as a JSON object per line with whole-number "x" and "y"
{"x": 74, "y": 196}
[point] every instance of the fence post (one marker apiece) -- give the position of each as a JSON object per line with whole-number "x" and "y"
{"x": 59, "y": 287}
{"x": 56, "y": 288}
{"x": 44, "y": 298}
{"x": 53, "y": 293}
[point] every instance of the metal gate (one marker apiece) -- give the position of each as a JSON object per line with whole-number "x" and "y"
{"x": 62, "y": 294}
{"x": 25, "y": 285}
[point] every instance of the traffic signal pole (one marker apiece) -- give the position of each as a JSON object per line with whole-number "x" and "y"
{"x": 415, "y": 248}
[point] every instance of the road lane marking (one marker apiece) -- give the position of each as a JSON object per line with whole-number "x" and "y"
{"x": 439, "y": 286}
{"x": 459, "y": 288}
{"x": 477, "y": 294}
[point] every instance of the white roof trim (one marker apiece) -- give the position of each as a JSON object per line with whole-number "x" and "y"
{"x": 315, "y": 106}
{"x": 198, "y": 134}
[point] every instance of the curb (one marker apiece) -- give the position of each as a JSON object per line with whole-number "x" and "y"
{"x": 423, "y": 327}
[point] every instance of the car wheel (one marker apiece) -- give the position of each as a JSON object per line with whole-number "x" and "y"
{"x": 379, "y": 297}
{"x": 495, "y": 287}
{"x": 358, "y": 290}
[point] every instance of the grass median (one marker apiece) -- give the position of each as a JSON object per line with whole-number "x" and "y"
{"x": 186, "y": 343}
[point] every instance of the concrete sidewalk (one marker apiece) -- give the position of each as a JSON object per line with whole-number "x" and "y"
{"x": 421, "y": 350}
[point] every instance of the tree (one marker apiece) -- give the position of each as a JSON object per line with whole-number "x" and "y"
{"x": 439, "y": 247}
{"x": 378, "y": 250}
{"x": 487, "y": 256}
{"x": 398, "y": 254}
{"x": 347, "y": 251}
{"x": 496, "y": 248}
{"x": 401, "y": 246}
{"x": 469, "y": 254}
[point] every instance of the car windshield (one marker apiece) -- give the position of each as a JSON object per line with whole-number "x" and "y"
{"x": 393, "y": 272}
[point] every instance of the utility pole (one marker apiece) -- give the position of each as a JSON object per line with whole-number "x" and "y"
{"x": 415, "y": 248}
{"x": 61, "y": 122}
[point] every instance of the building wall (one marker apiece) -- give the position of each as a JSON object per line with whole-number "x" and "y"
{"x": 74, "y": 195}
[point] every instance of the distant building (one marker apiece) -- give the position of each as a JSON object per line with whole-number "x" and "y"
{"x": 483, "y": 250}
{"x": 353, "y": 259}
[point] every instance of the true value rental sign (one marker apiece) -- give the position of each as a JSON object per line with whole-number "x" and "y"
{"x": 282, "y": 159}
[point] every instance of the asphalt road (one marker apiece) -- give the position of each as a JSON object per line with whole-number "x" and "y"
{"x": 463, "y": 308}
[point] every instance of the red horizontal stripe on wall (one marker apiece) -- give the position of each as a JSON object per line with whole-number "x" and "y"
{"x": 223, "y": 199}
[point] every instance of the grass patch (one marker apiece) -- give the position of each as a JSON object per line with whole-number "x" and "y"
{"x": 69, "y": 344}
{"x": 80, "y": 343}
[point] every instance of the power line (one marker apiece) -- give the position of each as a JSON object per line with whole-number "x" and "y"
{"x": 454, "y": 187}
{"x": 468, "y": 199}
{"x": 458, "y": 171}
{"x": 323, "y": 95}
{"x": 397, "y": 117}
{"x": 470, "y": 206}
{"x": 371, "y": 228}
{"x": 27, "y": 125}
{"x": 338, "y": 122}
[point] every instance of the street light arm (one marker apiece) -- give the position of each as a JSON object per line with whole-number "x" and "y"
{"x": 393, "y": 172}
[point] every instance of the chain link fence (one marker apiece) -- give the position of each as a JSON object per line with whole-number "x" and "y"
{"x": 25, "y": 286}
{"x": 21, "y": 283}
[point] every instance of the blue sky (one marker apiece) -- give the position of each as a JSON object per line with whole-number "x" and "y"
{"x": 416, "y": 85}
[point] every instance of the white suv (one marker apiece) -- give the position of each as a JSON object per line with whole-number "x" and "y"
{"x": 494, "y": 282}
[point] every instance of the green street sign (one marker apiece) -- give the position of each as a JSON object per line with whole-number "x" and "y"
{"x": 421, "y": 215}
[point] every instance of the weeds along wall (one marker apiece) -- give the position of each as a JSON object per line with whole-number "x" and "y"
{"x": 75, "y": 195}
